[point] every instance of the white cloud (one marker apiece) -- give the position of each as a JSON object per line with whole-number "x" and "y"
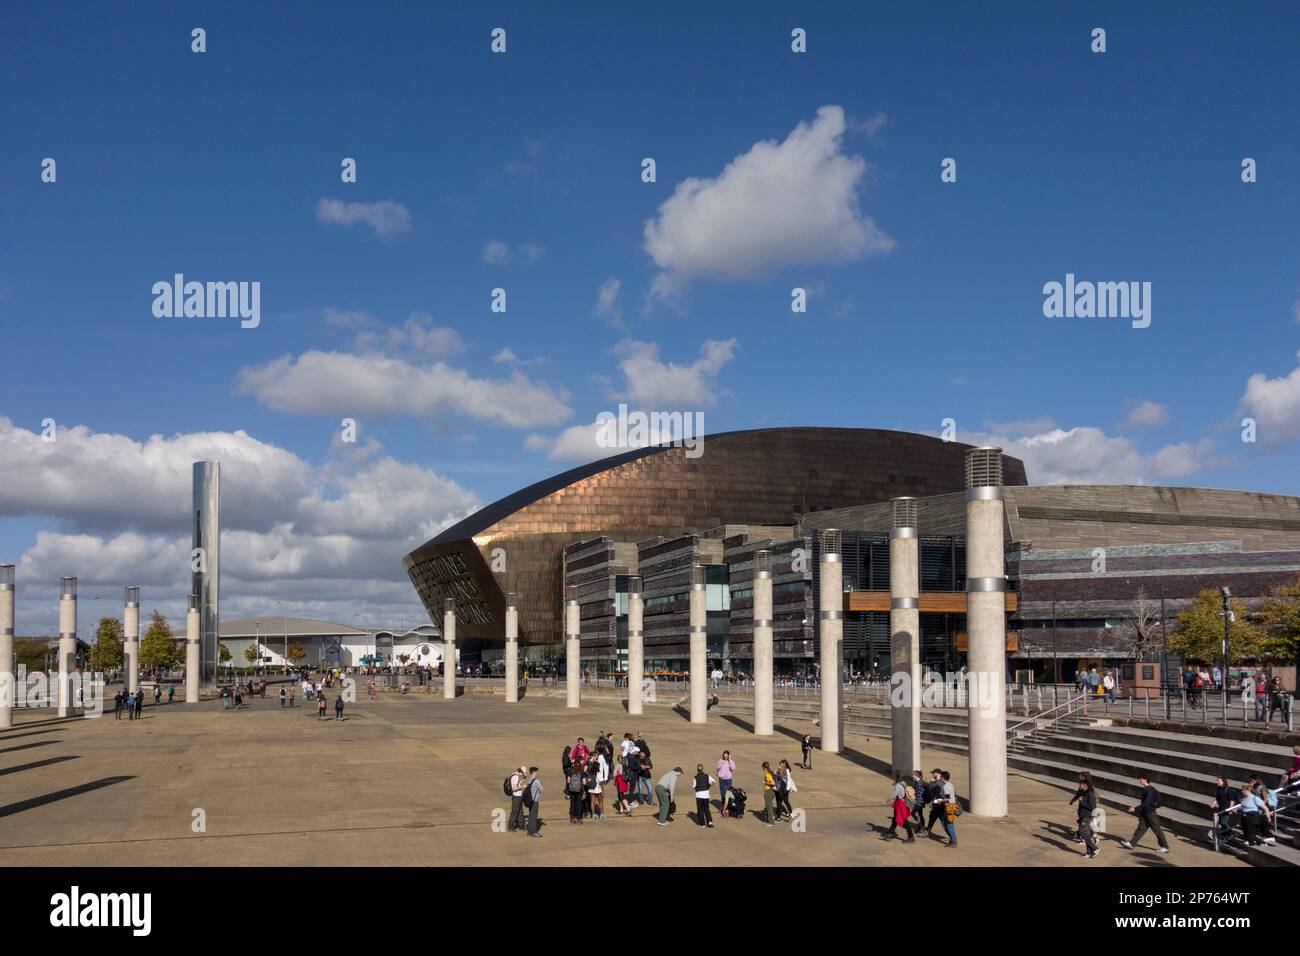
{"x": 497, "y": 252}
{"x": 1274, "y": 403}
{"x": 1087, "y": 455}
{"x": 508, "y": 357}
{"x": 607, "y": 305}
{"x": 417, "y": 334}
{"x": 1147, "y": 415}
{"x": 387, "y": 218}
{"x": 322, "y": 539}
{"x": 652, "y": 383}
{"x": 779, "y": 204}
{"x": 320, "y": 383}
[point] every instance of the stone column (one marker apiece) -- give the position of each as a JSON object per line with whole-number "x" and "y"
{"x": 635, "y": 644}
{"x": 763, "y": 643}
{"x": 67, "y": 643}
{"x": 986, "y": 633}
{"x": 8, "y": 675}
{"x": 831, "y": 586}
{"x": 131, "y": 639}
{"x": 193, "y": 646}
{"x": 512, "y": 649}
{"x": 573, "y": 649}
{"x": 905, "y": 638}
{"x": 699, "y": 647}
{"x": 449, "y": 650}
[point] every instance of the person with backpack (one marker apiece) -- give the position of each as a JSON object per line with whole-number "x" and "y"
{"x": 951, "y": 808}
{"x": 338, "y": 706}
{"x": 703, "y": 812}
{"x": 784, "y": 787}
{"x": 900, "y": 809}
{"x": 1147, "y": 819}
{"x": 514, "y": 787}
{"x": 1087, "y": 798}
{"x": 533, "y": 801}
{"x": 574, "y": 787}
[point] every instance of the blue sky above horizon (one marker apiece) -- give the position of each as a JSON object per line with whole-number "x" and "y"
{"x": 523, "y": 171}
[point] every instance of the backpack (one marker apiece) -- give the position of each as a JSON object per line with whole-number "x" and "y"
{"x": 909, "y": 797}
{"x": 528, "y": 795}
{"x": 575, "y": 783}
{"x": 506, "y": 787}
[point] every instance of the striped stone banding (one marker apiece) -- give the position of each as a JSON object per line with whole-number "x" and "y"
{"x": 831, "y": 615}
{"x": 135, "y": 604}
{"x": 66, "y": 634}
{"x": 697, "y": 629}
{"x": 830, "y": 558}
{"x": 978, "y": 585}
{"x": 6, "y": 632}
{"x": 635, "y": 633}
{"x": 195, "y": 643}
{"x": 984, "y": 493}
{"x": 762, "y": 622}
{"x": 901, "y": 533}
{"x": 904, "y": 603}
{"x": 762, "y": 575}
{"x": 697, "y": 587}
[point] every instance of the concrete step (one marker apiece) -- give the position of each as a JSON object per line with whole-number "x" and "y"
{"x": 1191, "y": 827}
{"x": 1273, "y": 755}
{"x": 1147, "y": 751}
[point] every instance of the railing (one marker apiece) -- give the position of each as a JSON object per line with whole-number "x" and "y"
{"x": 1074, "y": 705}
{"x": 1287, "y": 796}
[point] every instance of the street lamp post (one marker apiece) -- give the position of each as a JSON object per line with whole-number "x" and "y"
{"x": 1227, "y": 651}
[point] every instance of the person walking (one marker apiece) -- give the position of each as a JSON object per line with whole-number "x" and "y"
{"x": 518, "y": 784}
{"x": 338, "y": 706}
{"x": 644, "y": 793}
{"x": 596, "y": 788}
{"x": 1087, "y": 798}
{"x": 171, "y": 694}
{"x": 1261, "y": 695}
{"x": 117, "y": 705}
{"x": 924, "y": 797}
{"x": 130, "y": 706}
{"x": 769, "y": 795}
{"x": 622, "y": 788}
{"x": 1275, "y": 701}
{"x": 726, "y": 768}
{"x": 703, "y": 813}
{"x": 665, "y": 792}
{"x": 292, "y": 690}
{"x": 320, "y": 706}
{"x": 934, "y": 798}
{"x": 1108, "y": 687}
{"x": 951, "y": 808}
{"x": 1147, "y": 819}
{"x": 139, "y": 703}
{"x": 534, "y": 802}
{"x": 157, "y": 694}
{"x": 806, "y": 746}
{"x": 284, "y": 697}
{"x": 900, "y": 811}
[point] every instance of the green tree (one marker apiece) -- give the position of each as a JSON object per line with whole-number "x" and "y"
{"x": 157, "y": 648}
{"x": 106, "y": 654}
{"x": 223, "y": 653}
{"x": 31, "y": 654}
{"x": 252, "y": 653}
{"x": 1279, "y": 615}
{"x": 1198, "y": 631}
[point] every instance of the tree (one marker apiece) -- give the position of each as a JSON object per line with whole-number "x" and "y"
{"x": 158, "y": 648}
{"x": 1142, "y": 623}
{"x": 1279, "y": 615}
{"x": 31, "y": 654}
{"x": 223, "y": 653}
{"x": 403, "y": 658}
{"x": 1198, "y": 631}
{"x": 297, "y": 653}
{"x": 107, "y": 652}
{"x": 252, "y": 653}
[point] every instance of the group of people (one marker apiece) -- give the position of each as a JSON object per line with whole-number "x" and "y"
{"x": 1087, "y": 813}
{"x": 623, "y": 772}
{"x": 911, "y": 798}
{"x": 130, "y": 701}
{"x": 1253, "y": 805}
{"x": 1090, "y": 681}
{"x": 1266, "y": 695}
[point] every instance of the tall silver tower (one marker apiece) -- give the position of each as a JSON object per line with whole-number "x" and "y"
{"x": 205, "y": 560}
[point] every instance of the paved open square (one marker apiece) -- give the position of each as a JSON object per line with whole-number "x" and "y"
{"x": 414, "y": 780}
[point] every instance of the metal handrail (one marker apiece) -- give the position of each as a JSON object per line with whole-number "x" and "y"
{"x": 1282, "y": 795}
{"x": 1068, "y": 707}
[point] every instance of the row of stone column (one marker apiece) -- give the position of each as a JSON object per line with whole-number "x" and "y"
{"x": 67, "y": 648}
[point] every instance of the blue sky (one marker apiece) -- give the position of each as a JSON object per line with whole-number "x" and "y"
{"x": 522, "y": 171}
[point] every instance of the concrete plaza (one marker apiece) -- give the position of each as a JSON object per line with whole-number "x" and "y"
{"x": 414, "y": 780}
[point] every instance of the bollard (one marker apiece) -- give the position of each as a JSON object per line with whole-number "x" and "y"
{"x": 1130, "y": 706}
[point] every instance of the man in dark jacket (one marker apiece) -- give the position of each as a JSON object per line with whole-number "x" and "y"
{"x": 1087, "y": 798}
{"x": 1147, "y": 819}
